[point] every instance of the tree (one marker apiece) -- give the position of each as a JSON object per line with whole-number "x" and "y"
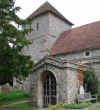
{"x": 91, "y": 80}
{"x": 13, "y": 62}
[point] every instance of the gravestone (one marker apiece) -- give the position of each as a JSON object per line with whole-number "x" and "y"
{"x": 6, "y": 88}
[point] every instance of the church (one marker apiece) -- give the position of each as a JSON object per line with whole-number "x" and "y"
{"x": 59, "y": 52}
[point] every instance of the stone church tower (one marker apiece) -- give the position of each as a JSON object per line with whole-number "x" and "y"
{"x": 47, "y": 25}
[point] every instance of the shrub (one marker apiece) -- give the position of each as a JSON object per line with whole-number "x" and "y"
{"x": 67, "y": 105}
{"x": 89, "y": 103}
{"x": 91, "y": 80}
{"x": 98, "y": 98}
{"x": 53, "y": 107}
{"x": 56, "y": 107}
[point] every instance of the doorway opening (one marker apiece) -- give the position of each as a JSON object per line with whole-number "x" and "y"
{"x": 49, "y": 90}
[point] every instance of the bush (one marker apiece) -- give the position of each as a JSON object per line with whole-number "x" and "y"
{"x": 91, "y": 80}
{"x": 53, "y": 107}
{"x": 56, "y": 107}
{"x": 89, "y": 103}
{"x": 98, "y": 98}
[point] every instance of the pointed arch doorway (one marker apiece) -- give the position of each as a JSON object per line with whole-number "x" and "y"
{"x": 49, "y": 89}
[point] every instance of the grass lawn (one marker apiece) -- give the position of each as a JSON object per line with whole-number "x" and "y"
{"x": 23, "y": 106}
{"x": 11, "y": 101}
{"x": 14, "y": 96}
{"x": 95, "y": 108}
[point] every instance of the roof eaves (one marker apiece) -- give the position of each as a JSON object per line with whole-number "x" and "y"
{"x": 75, "y": 51}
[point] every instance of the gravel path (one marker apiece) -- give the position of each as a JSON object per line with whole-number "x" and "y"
{"x": 15, "y": 103}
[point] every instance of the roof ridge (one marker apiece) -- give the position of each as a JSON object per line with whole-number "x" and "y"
{"x": 47, "y": 7}
{"x": 85, "y": 25}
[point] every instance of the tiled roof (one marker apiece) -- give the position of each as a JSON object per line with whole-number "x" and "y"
{"x": 47, "y": 7}
{"x": 80, "y": 38}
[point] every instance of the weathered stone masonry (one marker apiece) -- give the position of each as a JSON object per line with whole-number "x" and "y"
{"x": 66, "y": 78}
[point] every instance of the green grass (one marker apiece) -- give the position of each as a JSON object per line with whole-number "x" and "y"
{"x": 77, "y": 106}
{"x": 14, "y": 96}
{"x": 12, "y": 101}
{"x": 95, "y": 108}
{"x": 24, "y": 106}
{"x": 70, "y": 106}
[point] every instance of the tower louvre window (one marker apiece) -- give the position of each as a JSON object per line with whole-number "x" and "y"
{"x": 30, "y": 28}
{"x": 37, "y": 26}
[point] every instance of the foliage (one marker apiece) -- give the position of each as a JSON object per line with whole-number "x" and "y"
{"x": 76, "y": 106}
{"x": 56, "y": 107}
{"x": 89, "y": 103}
{"x": 91, "y": 80}
{"x": 71, "y": 106}
{"x": 13, "y": 62}
{"x": 98, "y": 98}
{"x": 14, "y": 95}
{"x": 53, "y": 107}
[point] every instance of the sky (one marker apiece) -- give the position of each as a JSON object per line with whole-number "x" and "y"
{"x": 79, "y": 12}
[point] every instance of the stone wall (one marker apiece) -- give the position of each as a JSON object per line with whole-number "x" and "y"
{"x": 38, "y": 38}
{"x": 37, "y": 96}
{"x": 57, "y": 26}
{"x": 81, "y": 58}
{"x": 66, "y": 79}
{"x": 80, "y": 55}
{"x": 49, "y": 29}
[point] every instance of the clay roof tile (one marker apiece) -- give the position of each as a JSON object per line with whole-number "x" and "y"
{"x": 76, "y": 39}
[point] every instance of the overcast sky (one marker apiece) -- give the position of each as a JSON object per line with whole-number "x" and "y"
{"x": 79, "y": 12}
